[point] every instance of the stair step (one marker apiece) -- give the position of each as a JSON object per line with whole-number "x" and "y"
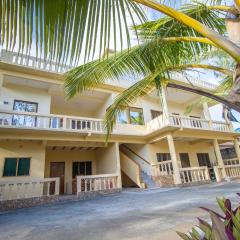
{"x": 147, "y": 179}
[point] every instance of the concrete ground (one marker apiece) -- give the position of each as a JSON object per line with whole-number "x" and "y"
{"x": 152, "y": 214}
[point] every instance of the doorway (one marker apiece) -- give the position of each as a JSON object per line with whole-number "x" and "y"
{"x": 57, "y": 169}
{"x": 184, "y": 158}
{"x": 204, "y": 160}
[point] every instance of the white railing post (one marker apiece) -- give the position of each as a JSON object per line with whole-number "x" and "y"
{"x": 218, "y": 174}
{"x": 57, "y": 186}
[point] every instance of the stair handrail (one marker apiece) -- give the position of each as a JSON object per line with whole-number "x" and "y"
{"x": 151, "y": 164}
{"x": 137, "y": 164}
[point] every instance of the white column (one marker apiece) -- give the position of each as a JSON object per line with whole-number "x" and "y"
{"x": 207, "y": 114}
{"x": 165, "y": 106}
{"x": 219, "y": 157}
{"x": 118, "y": 165}
{"x": 236, "y": 146}
{"x": 225, "y": 113}
{"x": 176, "y": 173}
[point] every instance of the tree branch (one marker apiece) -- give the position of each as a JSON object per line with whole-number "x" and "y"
{"x": 206, "y": 94}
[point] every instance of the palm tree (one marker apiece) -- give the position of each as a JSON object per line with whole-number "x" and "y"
{"x": 68, "y": 30}
{"x": 60, "y": 29}
{"x": 161, "y": 53}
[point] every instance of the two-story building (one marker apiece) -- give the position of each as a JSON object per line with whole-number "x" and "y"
{"x": 51, "y": 146}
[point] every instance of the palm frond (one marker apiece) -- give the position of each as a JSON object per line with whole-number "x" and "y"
{"x": 126, "y": 98}
{"x": 66, "y": 30}
{"x": 136, "y": 62}
{"x": 169, "y": 27}
{"x": 222, "y": 42}
{"x": 143, "y": 87}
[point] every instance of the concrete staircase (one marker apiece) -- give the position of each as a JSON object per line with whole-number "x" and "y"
{"x": 148, "y": 180}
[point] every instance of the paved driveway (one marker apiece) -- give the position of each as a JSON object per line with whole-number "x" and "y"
{"x": 153, "y": 214}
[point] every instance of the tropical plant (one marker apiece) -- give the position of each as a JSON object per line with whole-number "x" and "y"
{"x": 222, "y": 227}
{"x": 65, "y": 30}
{"x": 167, "y": 47}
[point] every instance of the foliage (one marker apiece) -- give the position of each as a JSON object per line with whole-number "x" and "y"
{"x": 167, "y": 47}
{"x": 67, "y": 30}
{"x": 222, "y": 227}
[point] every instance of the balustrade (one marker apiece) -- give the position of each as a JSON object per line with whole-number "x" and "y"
{"x": 166, "y": 168}
{"x": 194, "y": 174}
{"x": 96, "y": 183}
{"x": 29, "y": 188}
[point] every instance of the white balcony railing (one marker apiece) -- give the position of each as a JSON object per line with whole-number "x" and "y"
{"x": 26, "y": 120}
{"x": 194, "y": 81}
{"x": 29, "y": 188}
{"x": 51, "y": 66}
{"x": 33, "y": 62}
{"x": 233, "y": 171}
{"x": 230, "y": 171}
{"x": 95, "y": 183}
{"x": 232, "y": 161}
{"x": 194, "y": 174}
{"x": 166, "y": 168}
{"x": 50, "y": 122}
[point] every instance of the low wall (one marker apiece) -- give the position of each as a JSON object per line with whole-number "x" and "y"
{"x": 37, "y": 201}
{"x": 26, "y": 203}
{"x": 91, "y": 195}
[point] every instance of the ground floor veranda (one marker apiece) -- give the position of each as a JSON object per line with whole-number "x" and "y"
{"x": 154, "y": 214}
{"x": 79, "y": 167}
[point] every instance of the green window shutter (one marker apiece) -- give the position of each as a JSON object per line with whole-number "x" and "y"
{"x": 23, "y": 166}
{"x": 10, "y": 167}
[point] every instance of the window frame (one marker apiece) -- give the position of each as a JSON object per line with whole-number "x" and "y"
{"x": 137, "y": 110}
{"x": 155, "y": 112}
{"x": 167, "y": 154}
{"x": 127, "y": 111}
{"x": 18, "y": 100}
{"x": 16, "y": 170}
{"x": 85, "y": 167}
{"x": 200, "y": 156}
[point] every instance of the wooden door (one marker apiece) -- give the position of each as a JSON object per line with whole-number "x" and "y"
{"x": 57, "y": 169}
{"x": 185, "y": 162}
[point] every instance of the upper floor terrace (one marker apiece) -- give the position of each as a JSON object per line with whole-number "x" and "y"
{"x": 93, "y": 126}
{"x": 29, "y": 102}
{"x": 51, "y": 66}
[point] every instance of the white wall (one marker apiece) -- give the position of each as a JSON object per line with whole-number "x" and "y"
{"x": 16, "y": 92}
{"x": 149, "y": 151}
{"x": 27, "y": 149}
{"x": 106, "y": 160}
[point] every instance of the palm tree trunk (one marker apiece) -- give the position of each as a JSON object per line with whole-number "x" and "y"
{"x": 224, "y": 101}
{"x": 234, "y": 95}
{"x": 237, "y": 2}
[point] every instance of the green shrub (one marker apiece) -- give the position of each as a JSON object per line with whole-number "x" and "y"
{"x": 222, "y": 227}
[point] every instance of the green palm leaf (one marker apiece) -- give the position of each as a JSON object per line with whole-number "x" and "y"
{"x": 66, "y": 31}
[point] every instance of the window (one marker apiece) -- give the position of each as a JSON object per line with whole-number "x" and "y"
{"x": 131, "y": 116}
{"x": 162, "y": 157}
{"x": 203, "y": 159}
{"x": 23, "y": 120}
{"x": 184, "y": 157}
{"x": 136, "y": 116}
{"x": 81, "y": 169}
{"x": 155, "y": 113}
{"x": 16, "y": 167}
{"x": 122, "y": 117}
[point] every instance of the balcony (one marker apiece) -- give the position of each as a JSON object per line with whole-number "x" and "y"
{"x": 23, "y": 120}
{"x": 35, "y": 121}
{"x": 51, "y": 66}
{"x": 187, "y": 122}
